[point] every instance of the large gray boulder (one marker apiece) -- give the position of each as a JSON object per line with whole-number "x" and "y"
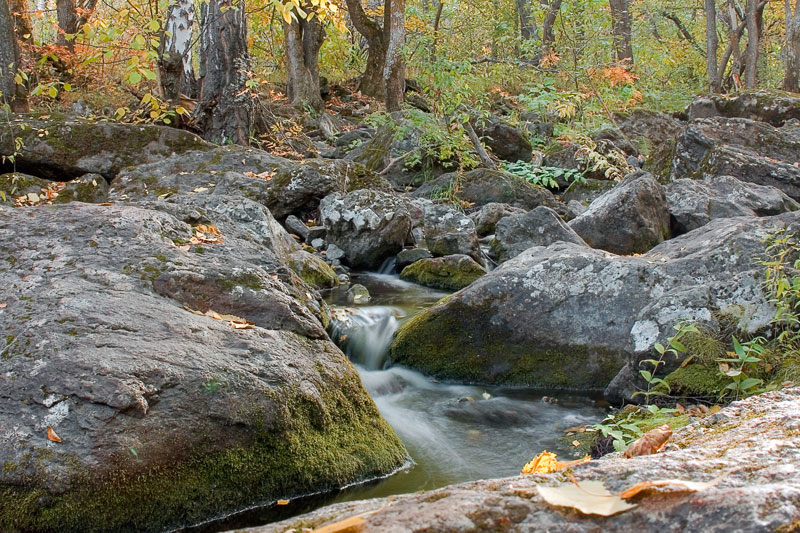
{"x": 285, "y": 187}
{"x": 369, "y": 226}
{"x": 487, "y": 217}
{"x": 539, "y": 227}
{"x": 504, "y": 140}
{"x": 630, "y": 218}
{"x": 126, "y": 409}
{"x": 772, "y": 108}
{"x": 567, "y": 316}
{"x": 482, "y": 186}
{"x": 751, "y": 446}
{"x": 751, "y": 151}
{"x": 449, "y": 232}
{"x": 693, "y": 203}
{"x": 62, "y": 147}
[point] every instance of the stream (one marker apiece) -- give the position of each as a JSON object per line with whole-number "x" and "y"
{"x": 454, "y": 433}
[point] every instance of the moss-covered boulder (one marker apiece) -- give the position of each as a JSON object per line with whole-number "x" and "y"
{"x": 451, "y": 272}
{"x": 16, "y": 184}
{"x": 89, "y": 188}
{"x": 772, "y": 107}
{"x": 136, "y": 398}
{"x": 62, "y": 147}
{"x": 285, "y": 187}
{"x": 568, "y": 316}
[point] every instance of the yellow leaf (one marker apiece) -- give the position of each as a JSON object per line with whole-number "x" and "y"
{"x": 546, "y": 462}
{"x": 51, "y": 435}
{"x": 282, "y": 502}
{"x": 350, "y": 525}
{"x": 287, "y": 17}
{"x": 588, "y": 497}
{"x": 53, "y": 92}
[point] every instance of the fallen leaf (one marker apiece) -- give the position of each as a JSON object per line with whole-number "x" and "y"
{"x": 3, "y": 305}
{"x": 51, "y": 435}
{"x": 686, "y": 486}
{"x": 547, "y": 462}
{"x": 576, "y": 443}
{"x": 714, "y": 410}
{"x": 282, "y": 502}
{"x": 350, "y": 525}
{"x": 200, "y": 189}
{"x": 649, "y": 443}
{"x": 588, "y": 497}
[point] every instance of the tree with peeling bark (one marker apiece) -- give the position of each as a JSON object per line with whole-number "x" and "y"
{"x": 225, "y": 107}
{"x": 13, "y": 94}
{"x": 394, "y": 68}
{"x": 175, "y": 70}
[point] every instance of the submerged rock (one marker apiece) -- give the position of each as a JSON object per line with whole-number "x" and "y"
{"x": 567, "y": 316}
{"x": 750, "y": 446}
{"x": 165, "y": 417}
{"x": 451, "y": 272}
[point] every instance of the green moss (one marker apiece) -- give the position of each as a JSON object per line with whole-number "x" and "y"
{"x": 454, "y": 341}
{"x": 696, "y": 380}
{"x": 247, "y": 280}
{"x": 314, "y": 446}
{"x": 441, "y": 274}
{"x": 318, "y": 274}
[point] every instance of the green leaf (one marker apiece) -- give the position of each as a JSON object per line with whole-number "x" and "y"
{"x": 134, "y": 77}
{"x": 53, "y": 92}
{"x": 749, "y": 383}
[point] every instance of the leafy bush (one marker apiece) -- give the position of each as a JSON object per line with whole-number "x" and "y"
{"x": 544, "y": 176}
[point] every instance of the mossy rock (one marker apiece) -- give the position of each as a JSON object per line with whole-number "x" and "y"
{"x": 451, "y": 272}
{"x": 312, "y": 270}
{"x": 696, "y": 380}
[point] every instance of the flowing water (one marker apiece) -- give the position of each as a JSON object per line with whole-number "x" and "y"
{"x": 454, "y": 433}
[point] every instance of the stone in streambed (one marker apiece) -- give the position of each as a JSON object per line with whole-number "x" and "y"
{"x": 451, "y": 272}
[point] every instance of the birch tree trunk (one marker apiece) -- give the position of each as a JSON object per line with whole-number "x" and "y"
{"x": 176, "y": 74}
{"x": 225, "y": 107}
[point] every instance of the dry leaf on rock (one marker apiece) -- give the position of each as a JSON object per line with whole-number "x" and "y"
{"x": 649, "y": 443}
{"x": 547, "y": 462}
{"x": 349, "y": 525}
{"x": 282, "y": 502}
{"x": 51, "y": 435}
{"x": 687, "y": 486}
{"x": 588, "y": 497}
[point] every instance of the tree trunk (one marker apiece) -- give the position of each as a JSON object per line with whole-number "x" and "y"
{"x": 437, "y": 19}
{"x": 67, "y": 22}
{"x": 712, "y": 45}
{"x": 548, "y": 36}
{"x": 13, "y": 94}
{"x": 176, "y": 74}
{"x": 527, "y": 24}
{"x": 791, "y": 49}
{"x": 224, "y": 110}
{"x": 753, "y": 19}
{"x": 22, "y": 22}
{"x": 371, "y": 83}
{"x": 621, "y": 29}
{"x": 394, "y": 69}
{"x": 303, "y": 40}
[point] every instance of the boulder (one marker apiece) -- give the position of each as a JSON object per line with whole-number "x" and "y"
{"x": 630, "y": 218}
{"x": 369, "y": 226}
{"x": 89, "y": 188}
{"x": 539, "y": 227}
{"x": 482, "y": 186}
{"x": 285, "y": 187}
{"x": 296, "y": 226}
{"x": 751, "y": 151}
{"x": 750, "y": 447}
{"x": 693, "y": 203}
{"x": 772, "y": 108}
{"x": 504, "y": 140}
{"x": 450, "y": 273}
{"x": 412, "y": 255}
{"x": 449, "y": 232}
{"x": 567, "y": 316}
{"x": 654, "y": 134}
{"x": 487, "y": 217}
{"x": 125, "y": 408}
{"x": 16, "y": 184}
{"x": 61, "y": 147}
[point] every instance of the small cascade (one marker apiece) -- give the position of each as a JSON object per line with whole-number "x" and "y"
{"x": 365, "y": 333}
{"x": 389, "y": 266}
